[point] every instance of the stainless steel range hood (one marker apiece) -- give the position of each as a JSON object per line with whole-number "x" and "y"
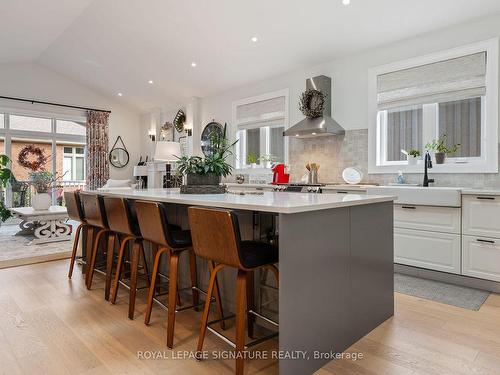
{"x": 319, "y": 126}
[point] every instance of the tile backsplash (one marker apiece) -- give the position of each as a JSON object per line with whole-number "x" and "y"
{"x": 333, "y": 154}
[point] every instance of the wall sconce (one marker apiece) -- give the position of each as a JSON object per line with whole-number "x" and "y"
{"x": 152, "y": 135}
{"x": 188, "y": 128}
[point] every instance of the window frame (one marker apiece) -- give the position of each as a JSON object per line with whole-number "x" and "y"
{"x": 487, "y": 163}
{"x": 240, "y": 152}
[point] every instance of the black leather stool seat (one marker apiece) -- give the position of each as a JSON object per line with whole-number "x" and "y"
{"x": 255, "y": 254}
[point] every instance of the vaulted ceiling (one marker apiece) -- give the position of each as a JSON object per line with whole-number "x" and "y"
{"x": 119, "y": 45}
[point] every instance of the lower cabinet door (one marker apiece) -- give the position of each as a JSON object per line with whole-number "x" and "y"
{"x": 481, "y": 257}
{"x": 431, "y": 250}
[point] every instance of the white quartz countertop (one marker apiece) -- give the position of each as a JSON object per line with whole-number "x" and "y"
{"x": 327, "y": 186}
{"x": 277, "y": 202}
{"x": 469, "y": 191}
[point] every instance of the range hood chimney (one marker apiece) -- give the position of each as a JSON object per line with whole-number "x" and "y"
{"x": 319, "y": 126}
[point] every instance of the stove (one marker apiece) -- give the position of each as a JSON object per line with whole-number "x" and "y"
{"x": 300, "y": 188}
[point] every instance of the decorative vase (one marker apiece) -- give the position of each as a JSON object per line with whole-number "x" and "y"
{"x": 440, "y": 157}
{"x": 41, "y": 201}
{"x": 412, "y": 160}
{"x": 203, "y": 184}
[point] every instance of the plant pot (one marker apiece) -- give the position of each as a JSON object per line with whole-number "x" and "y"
{"x": 412, "y": 160}
{"x": 440, "y": 157}
{"x": 202, "y": 179}
{"x": 41, "y": 201}
{"x": 253, "y": 165}
{"x": 267, "y": 164}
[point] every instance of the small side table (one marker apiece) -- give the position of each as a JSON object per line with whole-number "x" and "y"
{"x": 46, "y": 225}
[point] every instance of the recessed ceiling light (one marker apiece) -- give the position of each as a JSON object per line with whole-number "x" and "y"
{"x": 296, "y": 135}
{"x": 150, "y": 81}
{"x": 346, "y": 2}
{"x": 120, "y": 94}
{"x": 313, "y": 133}
{"x": 193, "y": 64}
{"x": 254, "y": 39}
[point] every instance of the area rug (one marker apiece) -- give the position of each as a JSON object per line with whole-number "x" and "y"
{"x": 16, "y": 251}
{"x": 460, "y": 296}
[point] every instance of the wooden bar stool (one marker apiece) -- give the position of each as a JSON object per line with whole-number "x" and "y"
{"x": 153, "y": 222}
{"x": 216, "y": 237}
{"x": 75, "y": 212}
{"x": 95, "y": 216}
{"x": 123, "y": 221}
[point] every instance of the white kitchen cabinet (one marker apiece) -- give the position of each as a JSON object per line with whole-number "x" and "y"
{"x": 481, "y": 257}
{"x": 428, "y": 218}
{"x": 426, "y": 249}
{"x": 481, "y": 215}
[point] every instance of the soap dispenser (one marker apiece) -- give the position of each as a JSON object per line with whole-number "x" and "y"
{"x": 400, "y": 179}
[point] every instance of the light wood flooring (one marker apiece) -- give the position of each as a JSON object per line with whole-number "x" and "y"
{"x": 51, "y": 325}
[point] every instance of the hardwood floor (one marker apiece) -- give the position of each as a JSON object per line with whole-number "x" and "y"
{"x": 52, "y": 325}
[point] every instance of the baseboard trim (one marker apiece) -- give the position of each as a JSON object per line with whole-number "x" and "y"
{"x": 471, "y": 282}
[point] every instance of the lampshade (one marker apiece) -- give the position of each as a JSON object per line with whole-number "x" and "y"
{"x": 140, "y": 170}
{"x": 167, "y": 151}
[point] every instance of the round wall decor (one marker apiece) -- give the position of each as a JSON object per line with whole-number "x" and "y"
{"x": 211, "y": 129}
{"x": 312, "y": 103}
{"x": 32, "y": 157}
{"x": 118, "y": 156}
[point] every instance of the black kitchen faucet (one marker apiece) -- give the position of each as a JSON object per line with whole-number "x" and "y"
{"x": 427, "y": 165}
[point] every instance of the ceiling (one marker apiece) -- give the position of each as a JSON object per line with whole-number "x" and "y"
{"x": 119, "y": 45}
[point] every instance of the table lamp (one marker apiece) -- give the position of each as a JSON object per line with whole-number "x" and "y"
{"x": 167, "y": 151}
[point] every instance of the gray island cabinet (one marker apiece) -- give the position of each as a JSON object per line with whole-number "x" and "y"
{"x": 336, "y": 266}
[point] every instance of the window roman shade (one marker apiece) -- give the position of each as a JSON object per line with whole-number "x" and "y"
{"x": 459, "y": 78}
{"x": 270, "y": 112}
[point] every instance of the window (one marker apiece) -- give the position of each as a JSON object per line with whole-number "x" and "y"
{"x": 70, "y": 127}
{"x": 61, "y": 140}
{"x": 73, "y": 163}
{"x": 260, "y": 123}
{"x": 28, "y": 123}
{"x": 452, "y": 93}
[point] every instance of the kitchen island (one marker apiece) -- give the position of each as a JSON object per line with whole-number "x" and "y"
{"x": 335, "y": 261}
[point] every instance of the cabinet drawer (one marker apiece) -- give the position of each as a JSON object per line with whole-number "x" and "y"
{"x": 481, "y": 257}
{"x": 432, "y": 250}
{"x": 481, "y": 215}
{"x": 435, "y": 219}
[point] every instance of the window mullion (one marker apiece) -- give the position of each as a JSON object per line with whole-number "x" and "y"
{"x": 430, "y": 123}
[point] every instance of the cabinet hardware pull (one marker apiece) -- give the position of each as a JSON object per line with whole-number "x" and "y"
{"x": 487, "y": 241}
{"x": 409, "y": 207}
{"x": 342, "y": 192}
{"x": 486, "y": 198}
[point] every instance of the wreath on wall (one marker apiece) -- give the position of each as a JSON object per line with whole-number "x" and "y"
{"x": 312, "y": 103}
{"x": 32, "y": 157}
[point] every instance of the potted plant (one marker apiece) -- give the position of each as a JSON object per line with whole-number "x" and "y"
{"x": 412, "y": 156}
{"x": 252, "y": 160}
{"x": 5, "y": 176}
{"x": 440, "y": 149}
{"x": 267, "y": 159}
{"x": 203, "y": 175}
{"x": 43, "y": 183}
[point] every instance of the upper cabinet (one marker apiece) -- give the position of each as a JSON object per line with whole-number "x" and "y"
{"x": 452, "y": 93}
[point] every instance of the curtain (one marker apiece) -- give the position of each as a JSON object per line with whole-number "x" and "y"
{"x": 448, "y": 80}
{"x": 97, "y": 149}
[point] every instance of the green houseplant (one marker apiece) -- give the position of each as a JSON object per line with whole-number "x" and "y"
{"x": 207, "y": 172}
{"x": 440, "y": 148}
{"x": 412, "y": 156}
{"x": 5, "y": 177}
{"x": 252, "y": 160}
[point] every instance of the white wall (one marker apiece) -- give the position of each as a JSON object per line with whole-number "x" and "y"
{"x": 32, "y": 81}
{"x": 350, "y": 75}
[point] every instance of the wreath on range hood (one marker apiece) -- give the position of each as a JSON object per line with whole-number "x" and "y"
{"x": 312, "y": 103}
